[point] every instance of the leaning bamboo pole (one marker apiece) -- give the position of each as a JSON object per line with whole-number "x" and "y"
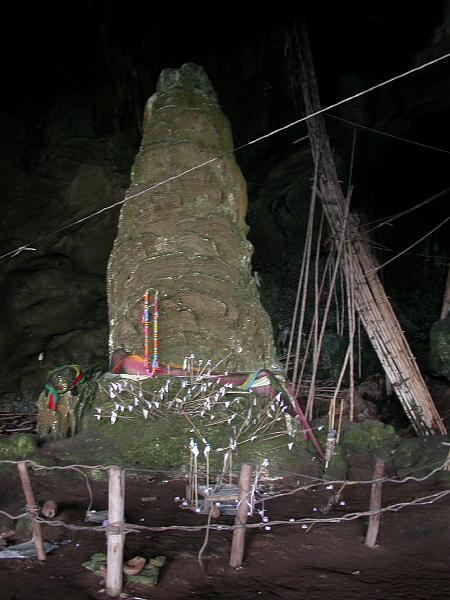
{"x": 314, "y": 331}
{"x": 371, "y": 302}
{"x": 446, "y": 303}
{"x": 350, "y": 284}
{"x": 307, "y": 262}
{"x": 340, "y": 249}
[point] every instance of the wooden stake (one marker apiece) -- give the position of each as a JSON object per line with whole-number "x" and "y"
{"x": 238, "y": 543}
{"x": 31, "y": 509}
{"x": 310, "y": 402}
{"x": 116, "y": 535}
{"x": 313, "y": 331}
{"x": 375, "y": 504}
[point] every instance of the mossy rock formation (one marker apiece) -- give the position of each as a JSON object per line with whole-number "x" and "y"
{"x": 186, "y": 237}
{"x": 440, "y": 348}
{"x": 15, "y": 447}
{"x": 154, "y": 422}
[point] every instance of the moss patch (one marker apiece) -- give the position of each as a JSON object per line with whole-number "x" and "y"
{"x": 369, "y": 435}
{"x": 15, "y": 447}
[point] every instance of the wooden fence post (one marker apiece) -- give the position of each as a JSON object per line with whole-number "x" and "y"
{"x": 116, "y": 535}
{"x": 238, "y": 543}
{"x": 31, "y": 509}
{"x": 375, "y": 504}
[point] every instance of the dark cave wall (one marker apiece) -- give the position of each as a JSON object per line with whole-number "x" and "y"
{"x": 54, "y": 298}
{"x": 72, "y": 127}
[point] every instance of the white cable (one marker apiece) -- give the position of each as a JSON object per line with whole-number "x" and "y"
{"x": 412, "y": 245}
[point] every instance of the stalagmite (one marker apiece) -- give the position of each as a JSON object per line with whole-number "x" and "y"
{"x": 187, "y": 237}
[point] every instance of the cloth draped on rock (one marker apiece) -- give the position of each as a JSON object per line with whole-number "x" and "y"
{"x": 263, "y": 382}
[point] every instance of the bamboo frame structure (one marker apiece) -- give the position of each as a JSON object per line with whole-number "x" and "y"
{"x": 370, "y": 299}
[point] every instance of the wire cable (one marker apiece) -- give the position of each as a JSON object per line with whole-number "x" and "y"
{"x": 414, "y": 244}
{"x": 387, "y": 220}
{"x": 385, "y": 133}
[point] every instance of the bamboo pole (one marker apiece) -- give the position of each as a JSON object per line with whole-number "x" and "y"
{"x": 314, "y": 330}
{"x": 296, "y": 307}
{"x": 351, "y": 328}
{"x": 31, "y": 509}
{"x": 332, "y": 408}
{"x": 343, "y": 303}
{"x": 375, "y": 504}
{"x": 238, "y": 543}
{"x": 116, "y": 535}
{"x": 308, "y": 411}
{"x": 336, "y": 300}
{"x": 308, "y": 243}
{"x": 315, "y": 324}
{"x": 359, "y": 349}
{"x": 446, "y": 304}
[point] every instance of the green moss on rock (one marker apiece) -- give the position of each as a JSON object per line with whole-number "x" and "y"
{"x": 419, "y": 456}
{"x": 440, "y": 348}
{"x": 369, "y": 435}
{"x": 15, "y": 447}
{"x": 160, "y": 437}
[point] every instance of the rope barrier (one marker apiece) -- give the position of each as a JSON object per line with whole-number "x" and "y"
{"x": 134, "y": 528}
{"x": 316, "y": 480}
{"x": 115, "y": 527}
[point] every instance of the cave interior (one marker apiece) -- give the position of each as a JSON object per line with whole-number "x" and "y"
{"x": 77, "y": 80}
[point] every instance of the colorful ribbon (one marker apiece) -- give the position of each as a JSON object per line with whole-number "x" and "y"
{"x": 146, "y": 325}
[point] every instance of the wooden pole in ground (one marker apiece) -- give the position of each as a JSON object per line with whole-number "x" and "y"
{"x": 375, "y": 504}
{"x": 116, "y": 535}
{"x": 238, "y": 543}
{"x": 31, "y": 509}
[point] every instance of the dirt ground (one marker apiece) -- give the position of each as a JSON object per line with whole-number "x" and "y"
{"x": 328, "y": 561}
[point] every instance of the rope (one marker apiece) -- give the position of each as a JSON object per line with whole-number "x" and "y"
{"x": 132, "y": 528}
{"x": 387, "y": 220}
{"x": 395, "y": 137}
{"x": 414, "y": 244}
{"x": 28, "y": 245}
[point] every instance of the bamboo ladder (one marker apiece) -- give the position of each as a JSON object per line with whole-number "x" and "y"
{"x": 371, "y": 301}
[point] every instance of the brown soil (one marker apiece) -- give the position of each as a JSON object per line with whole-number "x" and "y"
{"x": 328, "y": 561}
